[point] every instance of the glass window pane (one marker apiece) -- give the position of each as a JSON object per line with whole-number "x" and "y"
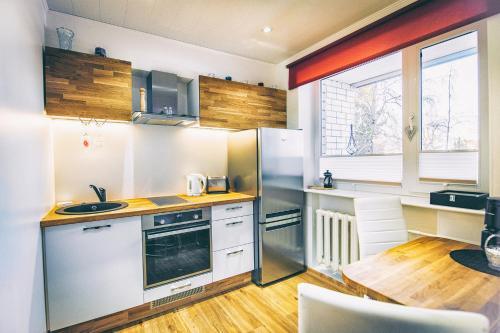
{"x": 450, "y": 95}
{"x": 362, "y": 110}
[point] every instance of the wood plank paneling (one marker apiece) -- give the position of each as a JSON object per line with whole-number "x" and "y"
{"x": 87, "y": 86}
{"x": 236, "y": 105}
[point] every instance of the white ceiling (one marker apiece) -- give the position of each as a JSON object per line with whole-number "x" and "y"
{"x": 233, "y": 26}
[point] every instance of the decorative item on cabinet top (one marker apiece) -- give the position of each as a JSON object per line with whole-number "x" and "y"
{"x": 65, "y": 37}
{"x": 236, "y": 105}
{"x": 81, "y": 85}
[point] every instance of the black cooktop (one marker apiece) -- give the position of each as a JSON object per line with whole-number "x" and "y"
{"x": 167, "y": 200}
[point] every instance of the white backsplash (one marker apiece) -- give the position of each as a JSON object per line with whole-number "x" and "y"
{"x": 132, "y": 160}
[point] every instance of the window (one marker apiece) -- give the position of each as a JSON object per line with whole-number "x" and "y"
{"x": 365, "y": 114}
{"x": 450, "y": 110}
{"x": 361, "y": 121}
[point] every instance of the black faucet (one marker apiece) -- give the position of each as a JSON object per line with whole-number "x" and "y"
{"x": 101, "y": 193}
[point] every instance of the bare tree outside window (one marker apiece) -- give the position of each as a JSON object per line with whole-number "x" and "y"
{"x": 450, "y": 96}
{"x": 377, "y": 118}
{"x": 375, "y": 112}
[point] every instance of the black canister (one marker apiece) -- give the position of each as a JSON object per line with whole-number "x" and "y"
{"x": 491, "y": 219}
{"x": 328, "y": 180}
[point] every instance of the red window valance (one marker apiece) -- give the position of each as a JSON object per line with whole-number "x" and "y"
{"x": 410, "y": 25}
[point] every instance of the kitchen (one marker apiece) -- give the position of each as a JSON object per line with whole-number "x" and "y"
{"x": 59, "y": 157}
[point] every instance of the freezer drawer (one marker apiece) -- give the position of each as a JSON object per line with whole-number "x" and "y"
{"x": 281, "y": 249}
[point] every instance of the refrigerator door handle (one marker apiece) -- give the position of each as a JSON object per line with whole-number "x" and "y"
{"x": 274, "y": 217}
{"x": 282, "y": 224}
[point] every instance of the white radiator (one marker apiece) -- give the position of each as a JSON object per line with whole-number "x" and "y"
{"x": 336, "y": 239}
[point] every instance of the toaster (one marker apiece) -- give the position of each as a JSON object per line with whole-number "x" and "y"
{"x": 217, "y": 184}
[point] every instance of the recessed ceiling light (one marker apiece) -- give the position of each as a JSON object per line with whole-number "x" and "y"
{"x": 267, "y": 29}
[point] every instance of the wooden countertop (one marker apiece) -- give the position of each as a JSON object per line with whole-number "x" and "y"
{"x": 142, "y": 206}
{"x": 421, "y": 273}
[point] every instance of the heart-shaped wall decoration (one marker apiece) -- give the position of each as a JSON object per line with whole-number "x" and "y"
{"x": 410, "y": 131}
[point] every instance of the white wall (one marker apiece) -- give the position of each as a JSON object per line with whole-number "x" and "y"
{"x": 148, "y": 52}
{"x": 132, "y": 160}
{"x": 493, "y": 35}
{"x": 141, "y": 160}
{"x": 25, "y": 166}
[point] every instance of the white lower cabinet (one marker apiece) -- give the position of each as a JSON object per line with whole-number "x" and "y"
{"x": 233, "y": 261}
{"x": 232, "y": 240}
{"x": 92, "y": 269}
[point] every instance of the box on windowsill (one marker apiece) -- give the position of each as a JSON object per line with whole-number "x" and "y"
{"x": 462, "y": 199}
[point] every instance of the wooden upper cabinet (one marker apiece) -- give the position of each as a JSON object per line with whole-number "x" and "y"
{"x": 236, "y": 105}
{"x": 87, "y": 86}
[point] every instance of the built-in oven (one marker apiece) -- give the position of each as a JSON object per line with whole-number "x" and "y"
{"x": 176, "y": 245}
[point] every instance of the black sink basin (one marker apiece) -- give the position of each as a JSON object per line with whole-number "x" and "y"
{"x": 91, "y": 208}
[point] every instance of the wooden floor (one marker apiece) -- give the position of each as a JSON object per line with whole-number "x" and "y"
{"x": 249, "y": 309}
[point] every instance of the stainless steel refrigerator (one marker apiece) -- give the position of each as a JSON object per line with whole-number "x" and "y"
{"x": 268, "y": 163}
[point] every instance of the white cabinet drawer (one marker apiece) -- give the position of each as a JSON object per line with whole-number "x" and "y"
{"x": 232, "y": 232}
{"x": 232, "y": 210}
{"x": 92, "y": 269}
{"x": 177, "y": 287}
{"x": 232, "y": 261}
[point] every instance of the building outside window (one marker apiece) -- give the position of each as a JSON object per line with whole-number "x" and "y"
{"x": 361, "y": 113}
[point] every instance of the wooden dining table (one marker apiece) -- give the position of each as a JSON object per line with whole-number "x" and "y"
{"x": 421, "y": 273}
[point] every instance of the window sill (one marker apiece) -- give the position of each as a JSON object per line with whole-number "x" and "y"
{"x": 406, "y": 200}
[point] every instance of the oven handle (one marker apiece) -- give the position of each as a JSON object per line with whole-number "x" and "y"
{"x": 180, "y": 287}
{"x": 176, "y": 232}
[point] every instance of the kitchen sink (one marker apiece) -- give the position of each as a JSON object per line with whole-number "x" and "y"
{"x": 91, "y": 208}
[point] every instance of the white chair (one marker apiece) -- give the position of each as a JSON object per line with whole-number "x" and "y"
{"x": 380, "y": 224}
{"x": 322, "y": 310}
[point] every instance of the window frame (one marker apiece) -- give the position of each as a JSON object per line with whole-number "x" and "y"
{"x": 421, "y": 184}
{"x": 411, "y": 101}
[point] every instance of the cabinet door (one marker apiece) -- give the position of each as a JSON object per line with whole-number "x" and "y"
{"x": 233, "y": 261}
{"x": 87, "y": 86}
{"x": 92, "y": 272}
{"x": 232, "y": 232}
{"x": 229, "y": 104}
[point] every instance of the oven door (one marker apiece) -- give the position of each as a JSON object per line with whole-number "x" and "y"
{"x": 175, "y": 252}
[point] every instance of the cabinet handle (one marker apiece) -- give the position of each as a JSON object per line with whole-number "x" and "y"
{"x": 97, "y": 227}
{"x": 234, "y": 208}
{"x": 234, "y": 223}
{"x": 234, "y": 252}
{"x": 180, "y": 287}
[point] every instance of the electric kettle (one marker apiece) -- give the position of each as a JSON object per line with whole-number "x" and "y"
{"x": 195, "y": 184}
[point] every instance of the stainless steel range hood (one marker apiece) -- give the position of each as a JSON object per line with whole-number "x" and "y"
{"x": 171, "y": 100}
